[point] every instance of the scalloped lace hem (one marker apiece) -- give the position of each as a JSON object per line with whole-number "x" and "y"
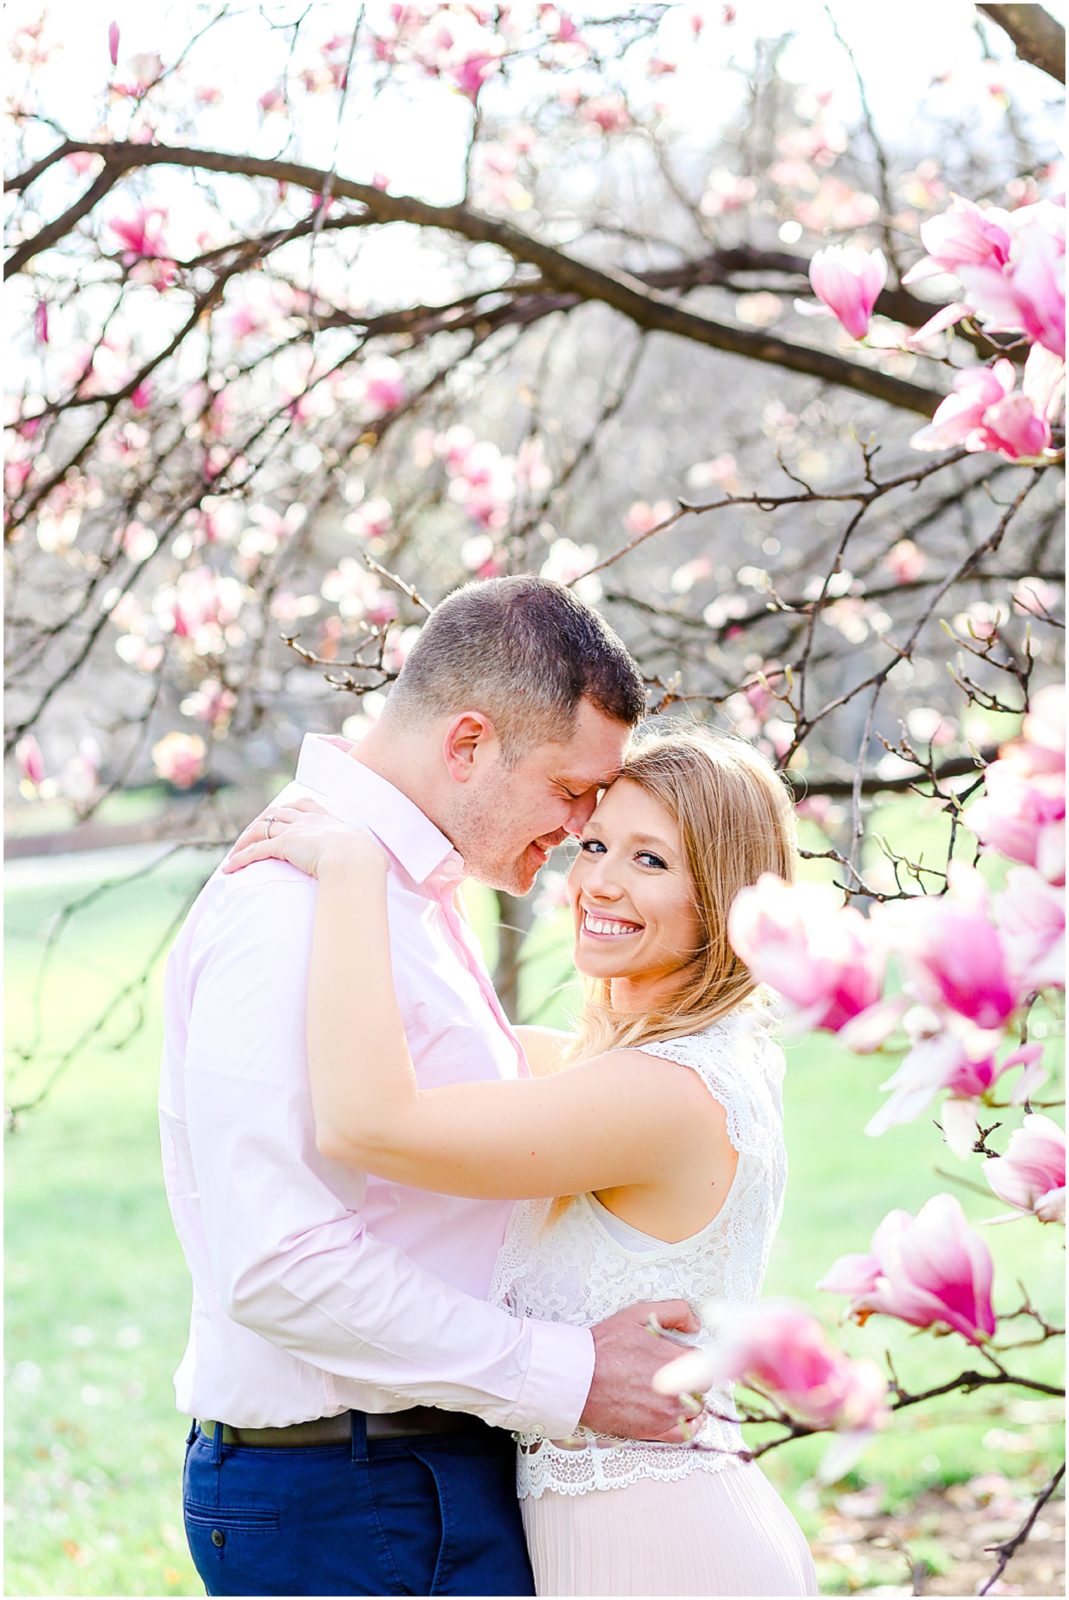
{"x": 536, "y": 1474}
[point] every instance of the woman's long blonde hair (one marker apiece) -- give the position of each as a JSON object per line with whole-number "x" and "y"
{"x": 736, "y": 820}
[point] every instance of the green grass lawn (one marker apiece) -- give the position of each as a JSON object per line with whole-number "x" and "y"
{"x": 97, "y": 1294}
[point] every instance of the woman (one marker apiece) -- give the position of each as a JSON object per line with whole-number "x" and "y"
{"x": 672, "y": 1181}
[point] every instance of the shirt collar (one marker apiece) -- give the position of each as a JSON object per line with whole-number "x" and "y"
{"x": 354, "y": 793}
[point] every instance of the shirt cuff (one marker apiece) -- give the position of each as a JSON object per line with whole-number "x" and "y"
{"x": 559, "y": 1375}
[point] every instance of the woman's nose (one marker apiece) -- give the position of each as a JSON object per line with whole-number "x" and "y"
{"x": 601, "y": 877}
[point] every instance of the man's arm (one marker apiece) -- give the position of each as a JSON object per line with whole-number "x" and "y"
{"x": 291, "y": 1260}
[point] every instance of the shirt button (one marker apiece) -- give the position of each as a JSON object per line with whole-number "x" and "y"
{"x": 218, "y": 1538}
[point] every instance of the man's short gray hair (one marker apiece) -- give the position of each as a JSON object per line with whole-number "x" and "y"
{"x": 525, "y": 652}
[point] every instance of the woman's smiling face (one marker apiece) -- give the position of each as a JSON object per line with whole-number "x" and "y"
{"x": 633, "y": 898}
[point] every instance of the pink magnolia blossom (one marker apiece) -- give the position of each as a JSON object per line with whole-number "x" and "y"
{"x": 946, "y": 317}
{"x": 962, "y": 1063}
{"x": 272, "y": 100}
{"x": 848, "y": 281}
{"x": 1031, "y": 923}
{"x": 212, "y": 703}
{"x": 358, "y": 594}
{"x": 470, "y": 72}
{"x": 819, "y": 955}
{"x": 931, "y": 1270}
{"x": 533, "y": 471}
{"x": 1041, "y": 746}
{"x": 834, "y": 206}
{"x": 15, "y": 475}
{"x": 179, "y": 759}
{"x": 783, "y": 1349}
{"x": 642, "y": 517}
{"x": 1043, "y": 381}
{"x": 931, "y": 727}
{"x": 567, "y": 562}
{"x": 1015, "y": 428}
{"x": 137, "y": 541}
{"x": 951, "y": 952}
{"x": 82, "y": 161}
{"x": 561, "y": 28}
{"x": 905, "y": 561}
{"x": 1028, "y": 295}
{"x": 1022, "y": 817}
{"x": 481, "y": 556}
{"x": 40, "y": 321}
{"x": 1035, "y": 597}
{"x": 608, "y": 112}
{"x": 984, "y": 414}
{"x": 31, "y": 762}
{"x": 371, "y": 519}
{"x": 1031, "y": 1175}
{"x": 817, "y": 142}
{"x": 245, "y": 320}
{"x": 80, "y": 778}
{"x": 454, "y": 447}
{"x": 384, "y": 385}
{"x": 202, "y": 606}
{"x": 483, "y": 481}
{"x": 727, "y": 191}
{"x": 141, "y": 234}
{"x": 499, "y": 184}
{"x": 965, "y": 235}
{"x": 113, "y": 43}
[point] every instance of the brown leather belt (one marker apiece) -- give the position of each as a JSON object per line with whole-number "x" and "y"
{"x": 338, "y": 1430}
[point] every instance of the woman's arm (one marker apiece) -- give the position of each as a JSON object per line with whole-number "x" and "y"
{"x": 606, "y": 1122}
{"x": 615, "y": 1120}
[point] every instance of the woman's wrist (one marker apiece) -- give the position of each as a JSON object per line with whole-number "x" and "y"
{"x": 354, "y": 854}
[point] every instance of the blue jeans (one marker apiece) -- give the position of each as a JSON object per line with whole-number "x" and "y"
{"x": 427, "y": 1515}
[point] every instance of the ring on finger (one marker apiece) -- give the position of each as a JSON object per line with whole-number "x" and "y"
{"x": 269, "y": 819}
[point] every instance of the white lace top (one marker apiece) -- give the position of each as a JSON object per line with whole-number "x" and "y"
{"x": 579, "y": 1270}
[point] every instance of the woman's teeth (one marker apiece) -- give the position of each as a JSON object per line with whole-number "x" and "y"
{"x": 603, "y": 925}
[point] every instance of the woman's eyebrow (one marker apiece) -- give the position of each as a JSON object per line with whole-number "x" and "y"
{"x": 652, "y": 839}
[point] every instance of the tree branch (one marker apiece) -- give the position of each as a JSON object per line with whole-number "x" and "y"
{"x": 1037, "y": 37}
{"x": 644, "y": 306}
{"x": 52, "y": 232}
{"x": 1009, "y": 1547}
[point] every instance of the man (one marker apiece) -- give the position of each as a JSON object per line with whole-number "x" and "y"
{"x": 352, "y": 1389}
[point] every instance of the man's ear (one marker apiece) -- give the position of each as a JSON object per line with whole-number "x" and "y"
{"x": 469, "y": 738}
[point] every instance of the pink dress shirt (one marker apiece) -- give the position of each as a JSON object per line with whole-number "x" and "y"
{"x": 317, "y": 1288}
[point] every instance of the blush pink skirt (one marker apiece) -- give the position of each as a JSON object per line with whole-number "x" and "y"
{"x": 710, "y": 1533}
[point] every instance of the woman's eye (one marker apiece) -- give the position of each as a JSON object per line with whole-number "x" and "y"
{"x": 650, "y": 859}
{"x": 591, "y": 846}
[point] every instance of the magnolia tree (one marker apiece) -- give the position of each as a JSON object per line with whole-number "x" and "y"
{"x": 755, "y": 336}
{"x": 960, "y": 975}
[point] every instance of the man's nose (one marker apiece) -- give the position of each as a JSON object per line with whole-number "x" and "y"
{"x": 582, "y": 811}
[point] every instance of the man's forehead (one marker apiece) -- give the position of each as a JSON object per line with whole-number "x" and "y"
{"x": 574, "y": 776}
{"x": 593, "y": 755}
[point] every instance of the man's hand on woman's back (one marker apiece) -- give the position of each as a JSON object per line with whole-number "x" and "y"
{"x": 627, "y": 1353}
